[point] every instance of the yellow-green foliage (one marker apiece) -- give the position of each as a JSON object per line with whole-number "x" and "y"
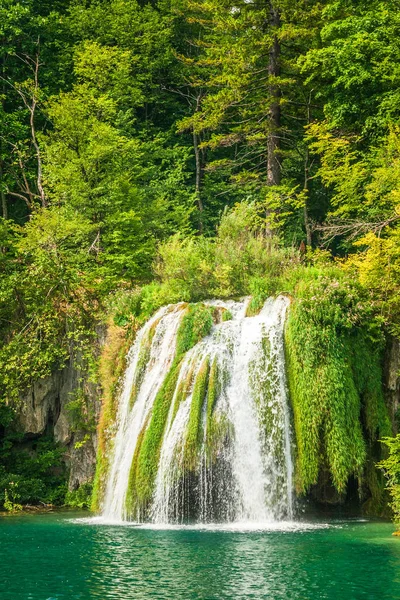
{"x": 241, "y": 260}
{"x": 391, "y": 468}
{"x": 196, "y": 323}
{"x": 260, "y": 289}
{"x": 335, "y": 381}
{"x": 193, "y": 434}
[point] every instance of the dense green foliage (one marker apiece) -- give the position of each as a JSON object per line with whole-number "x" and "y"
{"x": 334, "y": 367}
{"x": 31, "y": 472}
{"x": 391, "y": 467}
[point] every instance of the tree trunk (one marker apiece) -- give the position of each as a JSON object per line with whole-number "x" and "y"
{"x": 307, "y": 224}
{"x": 198, "y": 179}
{"x": 33, "y": 132}
{"x": 198, "y": 159}
{"x": 273, "y": 166}
{"x": 4, "y": 210}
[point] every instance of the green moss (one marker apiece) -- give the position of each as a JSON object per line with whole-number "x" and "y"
{"x": 145, "y": 464}
{"x": 219, "y": 432}
{"x": 218, "y": 426}
{"x": 132, "y": 502}
{"x": 335, "y": 383}
{"x": 184, "y": 386}
{"x": 196, "y": 323}
{"x": 214, "y": 390}
{"x": 193, "y": 434}
{"x": 226, "y": 315}
{"x": 98, "y": 482}
{"x": 254, "y": 306}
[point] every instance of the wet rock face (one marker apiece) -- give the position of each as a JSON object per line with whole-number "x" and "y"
{"x": 82, "y": 460}
{"x": 40, "y": 405}
{"x": 44, "y": 409}
{"x": 392, "y": 380}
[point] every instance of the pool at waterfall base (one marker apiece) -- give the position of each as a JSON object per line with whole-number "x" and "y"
{"x": 69, "y": 556}
{"x": 202, "y": 435}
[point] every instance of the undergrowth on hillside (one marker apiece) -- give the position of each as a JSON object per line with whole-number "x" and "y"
{"x": 31, "y": 471}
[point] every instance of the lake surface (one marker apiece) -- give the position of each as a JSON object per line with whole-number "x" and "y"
{"x": 57, "y": 556}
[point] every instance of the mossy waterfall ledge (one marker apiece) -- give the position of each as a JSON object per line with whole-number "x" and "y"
{"x": 203, "y": 427}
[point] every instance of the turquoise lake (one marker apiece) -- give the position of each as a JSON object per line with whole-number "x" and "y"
{"x": 59, "y": 556}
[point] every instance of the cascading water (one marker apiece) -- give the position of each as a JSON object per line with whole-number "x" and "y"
{"x": 132, "y": 418}
{"x": 225, "y": 448}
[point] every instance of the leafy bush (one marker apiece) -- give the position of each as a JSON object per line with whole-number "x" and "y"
{"x": 391, "y": 468}
{"x": 31, "y": 472}
{"x": 80, "y": 498}
{"x": 241, "y": 260}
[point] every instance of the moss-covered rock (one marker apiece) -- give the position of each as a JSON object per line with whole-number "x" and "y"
{"x": 335, "y": 381}
{"x": 111, "y": 368}
{"x": 194, "y": 429}
{"x": 196, "y": 323}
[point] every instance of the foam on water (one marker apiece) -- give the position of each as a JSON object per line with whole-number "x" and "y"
{"x": 234, "y": 527}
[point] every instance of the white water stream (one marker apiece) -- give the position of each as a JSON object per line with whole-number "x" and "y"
{"x": 247, "y": 476}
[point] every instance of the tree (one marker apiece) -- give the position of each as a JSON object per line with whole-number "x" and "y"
{"x": 257, "y": 102}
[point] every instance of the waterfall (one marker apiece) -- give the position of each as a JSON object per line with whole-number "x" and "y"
{"x": 224, "y": 452}
{"x": 132, "y": 418}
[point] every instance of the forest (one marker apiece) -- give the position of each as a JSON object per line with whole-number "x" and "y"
{"x": 153, "y": 152}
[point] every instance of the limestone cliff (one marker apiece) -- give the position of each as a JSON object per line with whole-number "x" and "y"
{"x": 44, "y": 408}
{"x": 392, "y": 380}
